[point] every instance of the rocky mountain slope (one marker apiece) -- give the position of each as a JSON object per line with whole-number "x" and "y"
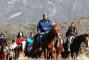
{"x": 28, "y": 11}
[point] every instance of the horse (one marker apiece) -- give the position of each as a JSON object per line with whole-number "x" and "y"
{"x": 3, "y": 54}
{"x": 36, "y": 46}
{"x": 3, "y": 45}
{"x": 76, "y": 44}
{"x": 49, "y": 48}
{"x": 66, "y": 45}
{"x": 11, "y": 54}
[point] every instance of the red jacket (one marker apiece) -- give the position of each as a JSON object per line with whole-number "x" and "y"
{"x": 19, "y": 40}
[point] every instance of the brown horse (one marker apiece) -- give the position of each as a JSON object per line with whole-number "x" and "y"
{"x": 3, "y": 55}
{"x": 18, "y": 51}
{"x": 3, "y": 49}
{"x": 49, "y": 48}
{"x": 11, "y": 55}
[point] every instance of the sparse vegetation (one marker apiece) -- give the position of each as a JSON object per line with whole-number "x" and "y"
{"x": 11, "y": 30}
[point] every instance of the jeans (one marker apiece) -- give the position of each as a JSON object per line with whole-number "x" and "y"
{"x": 69, "y": 38}
{"x": 42, "y": 39}
{"x": 28, "y": 44}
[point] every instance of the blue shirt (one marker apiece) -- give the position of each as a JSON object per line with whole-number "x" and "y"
{"x": 29, "y": 40}
{"x": 44, "y": 25}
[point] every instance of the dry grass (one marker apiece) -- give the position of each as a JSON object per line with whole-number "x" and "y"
{"x": 11, "y": 30}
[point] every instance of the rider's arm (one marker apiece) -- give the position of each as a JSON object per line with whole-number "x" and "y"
{"x": 76, "y": 31}
{"x": 17, "y": 41}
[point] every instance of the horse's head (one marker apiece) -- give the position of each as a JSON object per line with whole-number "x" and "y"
{"x": 2, "y": 35}
{"x": 86, "y": 38}
{"x": 55, "y": 28}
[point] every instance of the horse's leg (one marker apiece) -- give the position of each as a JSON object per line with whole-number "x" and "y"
{"x": 46, "y": 55}
{"x": 58, "y": 54}
{"x": 4, "y": 56}
{"x": 72, "y": 54}
{"x": 77, "y": 53}
{"x": 45, "y": 52}
{"x": 49, "y": 53}
{"x": 39, "y": 51}
{"x": 52, "y": 53}
{"x": 17, "y": 53}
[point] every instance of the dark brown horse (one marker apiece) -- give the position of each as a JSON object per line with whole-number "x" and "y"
{"x": 76, "y": 44}
{"x": 3, "y": 54}
{"x": 18, "y": 52}
{"x": 36, "y": 47}
{"x": 3, "y": 50}
{"x": 49, "y": 48}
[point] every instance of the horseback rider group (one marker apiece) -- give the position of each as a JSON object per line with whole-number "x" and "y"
{"x": 43, "y": 27}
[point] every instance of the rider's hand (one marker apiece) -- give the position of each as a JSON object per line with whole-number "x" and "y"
{"x": 38, "y": 32}
{"x": 46, "y": 32}
{"x": 45, "y": 29}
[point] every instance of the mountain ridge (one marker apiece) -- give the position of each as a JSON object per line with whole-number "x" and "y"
{"x": 30, "y": 11}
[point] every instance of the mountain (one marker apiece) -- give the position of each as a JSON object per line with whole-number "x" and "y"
{"x": 30, "y": 11}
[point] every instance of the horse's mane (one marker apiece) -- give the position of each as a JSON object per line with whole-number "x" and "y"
{"x": 51, "y": 35}
{"x": 81, "y": 37}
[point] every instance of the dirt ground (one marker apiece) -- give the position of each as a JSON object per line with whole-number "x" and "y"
{"x": 83, "y": 56}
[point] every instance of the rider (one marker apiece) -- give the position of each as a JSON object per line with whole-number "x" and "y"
{"x": 29, "y": 40}
{"x": 71, "y": 33}
{"x": 43, "y": 27}
{"x": 20, "y": 38}
{"x": 13, "y": 46}
{"x": 2, "y": 42}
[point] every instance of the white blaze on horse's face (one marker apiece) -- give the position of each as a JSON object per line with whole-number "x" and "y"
{"x": 56, "y": 29}
{"x": 2, "y": 36}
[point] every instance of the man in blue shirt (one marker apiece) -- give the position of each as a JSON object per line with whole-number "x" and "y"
{"x": 43, "y": 27}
